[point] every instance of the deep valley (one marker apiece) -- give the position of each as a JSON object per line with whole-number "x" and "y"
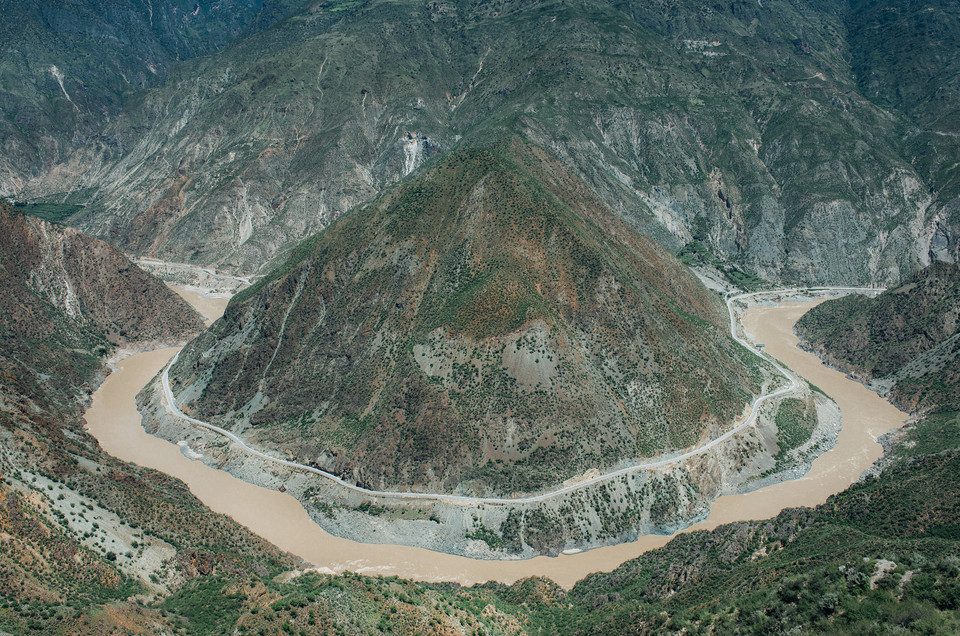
{"x": 479, "y": 317}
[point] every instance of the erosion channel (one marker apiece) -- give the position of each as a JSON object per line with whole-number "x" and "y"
{"x": 113, "y": 419}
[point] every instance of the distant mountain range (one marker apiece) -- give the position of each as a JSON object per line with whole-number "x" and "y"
{"x": 807, "y": 142}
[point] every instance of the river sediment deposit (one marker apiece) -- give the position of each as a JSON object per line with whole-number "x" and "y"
{"x": 278, "y": 517}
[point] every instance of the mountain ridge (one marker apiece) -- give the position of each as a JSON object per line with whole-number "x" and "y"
{"x": 741, "y": 127}
{"x": 91, "y": 282}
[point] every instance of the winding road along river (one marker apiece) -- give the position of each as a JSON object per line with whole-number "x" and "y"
{"x": 279, "y": 518}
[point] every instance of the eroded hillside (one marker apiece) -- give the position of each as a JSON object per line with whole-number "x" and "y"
{"x": 89, "y": 282}
{"x": 765, "y": 131}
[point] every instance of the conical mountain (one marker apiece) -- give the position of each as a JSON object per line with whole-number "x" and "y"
{"x": 489, "y": 327}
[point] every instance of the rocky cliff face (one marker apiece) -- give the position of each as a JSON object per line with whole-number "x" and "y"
{"x": 766, "y": 132}
{"x": 65, "y": 67}
{"x": 490, "y": 327}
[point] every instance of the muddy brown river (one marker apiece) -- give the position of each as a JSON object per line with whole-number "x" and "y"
{"x": 279, "y": 518}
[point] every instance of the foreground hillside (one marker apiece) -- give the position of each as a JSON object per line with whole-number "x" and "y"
{"x": 68, "y": 301}
{"x": 804, "y": 140}
{"x": 491, "y": 327}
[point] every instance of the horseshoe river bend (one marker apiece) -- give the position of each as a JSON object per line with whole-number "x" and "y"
{"x": 113, "y": 419}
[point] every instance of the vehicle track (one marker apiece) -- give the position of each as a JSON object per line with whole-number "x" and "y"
{"x": 171, "y": 407}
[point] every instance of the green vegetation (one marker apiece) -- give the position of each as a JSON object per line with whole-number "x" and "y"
{"x": 52, "y": 212}
{"x": 793, "y": 138}
{"x": 486, "y": 535}
{"x": 882, "y": 557}
{"x": 206, "y": 607}
{"x": 936, "y": 432}
{"x": 695, "y": 253}
{"x": 300, "y": 253}
{"x": 796, "y": 418}
{"x": 368, "y": 508}
{"x": 56, "y": 570}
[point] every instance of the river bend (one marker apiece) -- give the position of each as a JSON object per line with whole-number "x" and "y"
{"x": 279, "y": 518}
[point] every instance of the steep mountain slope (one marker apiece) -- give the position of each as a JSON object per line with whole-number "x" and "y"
{"x": 491, "y": 326}
{"x": 879, "y": 558}
{"x": 93, "y": 284}
{"x": 905, "y": 341}
{"x": 65, "y": 67}
{"x": 905, "y": 59}
{"x": 68, "y": 299}
{"x": 741, "y": 126}
{"x": 79, "y": 530}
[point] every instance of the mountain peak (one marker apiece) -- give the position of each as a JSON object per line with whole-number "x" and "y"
{"x": 487, "y": 327}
